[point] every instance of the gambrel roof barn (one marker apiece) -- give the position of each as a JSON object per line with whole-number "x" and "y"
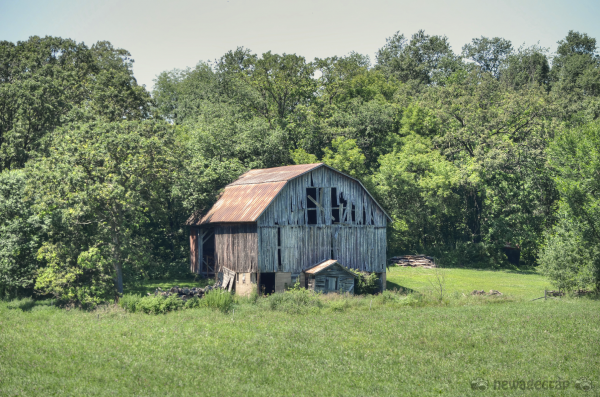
{"x": 279, "y": 222}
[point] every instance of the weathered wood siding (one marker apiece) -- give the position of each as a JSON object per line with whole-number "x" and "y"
{"x": 194, "y": 257}
{"x": 358, "y": 244}
{"x": 345, "y": 281}
{"x": 236, "y": 247}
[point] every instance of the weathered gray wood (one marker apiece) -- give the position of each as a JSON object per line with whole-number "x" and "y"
{"x": 324, "y": 280}
{"x": 236, "y": 247}
{"x": 358, "y": 244}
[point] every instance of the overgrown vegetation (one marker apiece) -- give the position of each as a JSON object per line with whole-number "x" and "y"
{"x": 468, "y": 152}
{"x": 214, "y": 299}
{"x": 391, "y": 344}
{"x": 366, "y": 283}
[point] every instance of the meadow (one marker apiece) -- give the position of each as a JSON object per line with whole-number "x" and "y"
{"x": 390, "y": 344}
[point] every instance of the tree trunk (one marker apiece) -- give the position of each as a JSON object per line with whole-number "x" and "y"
{"x": 116, "y": 254}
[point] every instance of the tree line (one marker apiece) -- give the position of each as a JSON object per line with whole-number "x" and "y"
{"x": 469, "y": 152}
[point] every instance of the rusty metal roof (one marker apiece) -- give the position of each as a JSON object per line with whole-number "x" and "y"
{"x": 324, "y": 265}
{"x": 242, "y": 203}
{"x": 277, "y": 174}
{"x": 245, "y": 199}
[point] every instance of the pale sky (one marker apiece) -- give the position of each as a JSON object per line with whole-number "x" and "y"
{"x": 163, "y": 35}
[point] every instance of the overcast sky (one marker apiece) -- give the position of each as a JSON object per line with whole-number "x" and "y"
{"x": 163, "y": 35}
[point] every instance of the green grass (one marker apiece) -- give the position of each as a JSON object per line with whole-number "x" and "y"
{"x": 517, "y": 284}
{"x": 363, "y": 346}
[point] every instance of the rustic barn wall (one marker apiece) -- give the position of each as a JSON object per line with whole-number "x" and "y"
{"x": 358, "y": 241}
{"x": 236, "y": 247}
{"x": 194, "y": 250}
{"x": 345, "y": 281}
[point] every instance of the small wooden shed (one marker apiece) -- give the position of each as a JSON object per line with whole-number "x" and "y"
{"x": 330, "y": 276}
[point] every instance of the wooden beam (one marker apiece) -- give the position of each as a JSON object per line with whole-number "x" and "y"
{"x": 319, "y": 206}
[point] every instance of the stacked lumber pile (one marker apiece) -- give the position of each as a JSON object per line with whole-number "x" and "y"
{"x": 414, "y": 261}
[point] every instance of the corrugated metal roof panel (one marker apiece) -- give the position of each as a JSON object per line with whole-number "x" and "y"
{"x": 277, "y": 174}
{"x": 242, "y": 203}
{"x": 245, "y": 199}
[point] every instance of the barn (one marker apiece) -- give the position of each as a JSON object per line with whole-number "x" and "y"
{"x": 272, "y": 225}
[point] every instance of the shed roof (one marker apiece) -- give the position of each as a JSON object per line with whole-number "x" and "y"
{"x": 245, "y": 199}
{"x": 324, "y": 265}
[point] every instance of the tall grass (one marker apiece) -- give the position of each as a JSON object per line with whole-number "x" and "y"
{"x": 215, "y": 299}
{"x": 218, "y": 299}
{"x": 388, "y": 344}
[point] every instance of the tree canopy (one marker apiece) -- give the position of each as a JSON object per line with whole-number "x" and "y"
{"x": 469, "y": 152}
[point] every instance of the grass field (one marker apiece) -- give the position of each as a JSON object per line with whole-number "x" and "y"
{"x": 365, "y": 347}
{"x": 517, "y": 284}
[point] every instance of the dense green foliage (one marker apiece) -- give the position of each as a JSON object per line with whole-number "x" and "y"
{"x": 571, "y": 255}
{"x": 467, "y": 152}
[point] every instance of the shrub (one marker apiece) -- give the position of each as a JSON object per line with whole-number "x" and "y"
{"x": 366, "y": 283}
{"x": 150, "y": 304}
{"x": 220, "y": 300}
{"x": 294, "y": 301}
{"x": 129, "y": 302}
{"x": 568, "y": 259}
{"x": 216, "y": 299}
{"x": 87, "y": 282}
{"x": 193, "y": 303}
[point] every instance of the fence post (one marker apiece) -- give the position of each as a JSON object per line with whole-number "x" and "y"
{"x": 544, "y": 294}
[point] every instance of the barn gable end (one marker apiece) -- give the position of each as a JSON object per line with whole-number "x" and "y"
{"x": 357, "y": 238}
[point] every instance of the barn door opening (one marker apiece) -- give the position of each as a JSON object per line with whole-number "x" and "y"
{"x": 206, "y": 252}
{"x": 266, "y": 283}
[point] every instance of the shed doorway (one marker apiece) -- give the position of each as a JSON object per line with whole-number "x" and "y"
{"x": 206, "y": 237}
{"x": 266, "y": 283}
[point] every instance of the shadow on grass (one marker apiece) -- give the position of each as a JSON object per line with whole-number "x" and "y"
{"x": 27, "y": 304}
{"x": 391, "y": 286}
{"x": 522, "y": 271}
{"x": 514, "y": 270}
{"x": 149, "y": 286}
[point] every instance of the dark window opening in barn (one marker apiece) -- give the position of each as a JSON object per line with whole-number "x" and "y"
{"x": 267, "y": 283}
{"x": 278, "y": 237}
{"x": 335, "y": 206}
{"x": 311, "y": 206}
{"x": 343, "y": 209}
{"x": 279, "y": 265}
{"x": 353, "y": 214}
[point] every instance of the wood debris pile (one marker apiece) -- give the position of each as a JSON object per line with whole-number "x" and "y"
{"x": 581, "y": 292}
{"x": 482, "y": 292}
{"x": 183, "y": 293}
{"x": 414, "y": 261}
